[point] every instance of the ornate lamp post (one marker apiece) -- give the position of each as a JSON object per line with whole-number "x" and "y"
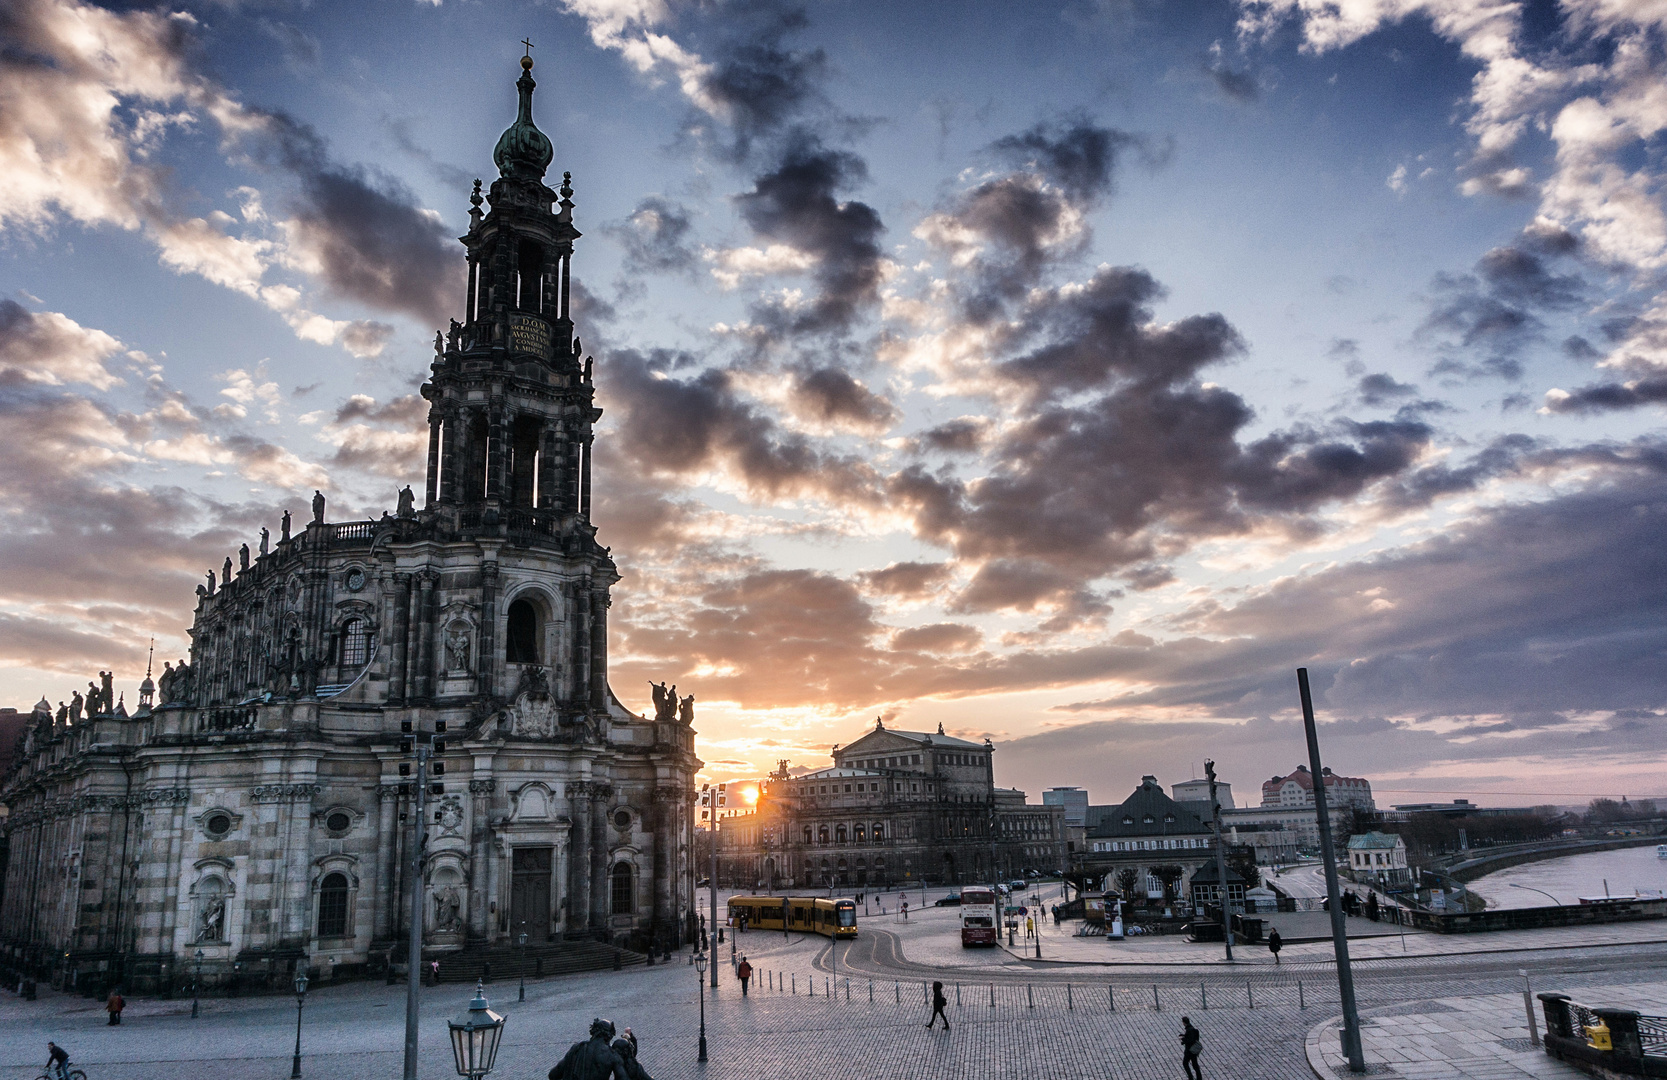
{"x": 523, "y": 995}
{"x": 475, "y": 1035}
{"x": 300, "y": 1002}
{"x": 196, "y": 977}
{"x": 700, "y": 969}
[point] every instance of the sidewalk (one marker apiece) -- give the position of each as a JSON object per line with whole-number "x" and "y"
{"x": 1461, "y": 1038}
{"x": 1385, "y": 943}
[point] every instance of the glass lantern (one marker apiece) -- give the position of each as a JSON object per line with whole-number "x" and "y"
{"x": 475, "y": 1035}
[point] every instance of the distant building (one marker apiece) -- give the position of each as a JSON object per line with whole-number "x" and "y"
{"x": 1378, "y": 855}
{"x": 898, "y": 808}
{"x": 1146, "y": 830}
{"x": 1271, "y": 843}
{"x": 1198, "y": 791}
{"x": 1297, "y": 789}
{"x": 1073, "y": 799}
{"x": 1204, "y": 887}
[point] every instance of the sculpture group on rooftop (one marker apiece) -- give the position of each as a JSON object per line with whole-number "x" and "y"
{"x": 668, "y": 706}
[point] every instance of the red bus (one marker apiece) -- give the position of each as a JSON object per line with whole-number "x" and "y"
{"x": 978, "y": 916}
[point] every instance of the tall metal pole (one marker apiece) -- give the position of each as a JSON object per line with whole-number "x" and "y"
{"x": 712, "y": 938}
{"x": 1221, "y": 861}
{"x": 414, "y": 947}
{"x": 1339, "y": 930}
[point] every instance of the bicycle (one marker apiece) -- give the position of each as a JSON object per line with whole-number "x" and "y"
{"x": 72, "y": 1074}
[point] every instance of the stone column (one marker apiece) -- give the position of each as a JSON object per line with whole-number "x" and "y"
{"x": 581, "y": 642}
{"x": 570, "y": 474}
{"x": 452, "y": 427}
{"x": 584, "y": 482}
{"x": 480, "y": 838}
{"x": 665, "y": 840}
{"x": 599, "y": 650}
{"x": 548, "y": 468}
{"x": 399, "y": 647}
{"x": 387, "y": 852}
{"x": 495, "y": 456}
{"x": 599, "y": 892}
{"x": 486, "y": 651}
{"x": 425, "y": 637}
{"x": 432, "y": 482}
{"x": 578, "y": 858}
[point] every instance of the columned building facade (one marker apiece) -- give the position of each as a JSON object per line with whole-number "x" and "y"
{"x": 256, "y": 804}
{"x": 897, "y": 809}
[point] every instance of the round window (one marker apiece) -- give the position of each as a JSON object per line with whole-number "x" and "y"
{"x": 355, "y": 579}
{"x": 218, "y": 824}
{"x": 622, "y": 819}
{"x": 338, "y": 822}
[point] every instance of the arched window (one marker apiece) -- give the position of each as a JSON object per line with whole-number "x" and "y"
{"x": 879, "y": 832}
{"x": 822, "y": 835}
{"x": 332, "y": 906}
{"x": 522, "y": 644}
{"x": 860, "y": 834}
{"x": 839, "y": 834}
{"x": 355, "y": 643}
{"x": 807, "y": 834}
{"x": 624, "y": 895}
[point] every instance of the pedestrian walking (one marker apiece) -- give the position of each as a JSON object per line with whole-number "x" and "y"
{"x": 743, "y": 972}
{"x": 1275, "y": 944}
{"x": 905, "y": 910}
{"x": 1191, "y": 1044}
{"x": 1030, "y": 927}
{"x": 593, "y": 1058}
{"x": 938, "y": 1002}
{"x": 114, "y": 1006}
{"x": 434, "y": 973}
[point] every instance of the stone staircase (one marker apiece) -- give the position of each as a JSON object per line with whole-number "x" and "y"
{"x": 552, "y": 958}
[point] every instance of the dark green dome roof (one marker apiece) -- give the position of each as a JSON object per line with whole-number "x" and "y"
{"x": 523, "y": 151}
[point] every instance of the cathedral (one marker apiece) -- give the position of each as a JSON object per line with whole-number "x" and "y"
{"x": 255, "y": 809}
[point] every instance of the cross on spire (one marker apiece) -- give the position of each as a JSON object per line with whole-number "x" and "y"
{"x": 529, "y": 46}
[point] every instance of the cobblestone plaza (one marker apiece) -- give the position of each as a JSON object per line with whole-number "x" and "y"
{"x": 1055, "y": 1019}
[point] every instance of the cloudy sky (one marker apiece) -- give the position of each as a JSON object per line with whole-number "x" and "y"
{"x": 1067, "y": 374}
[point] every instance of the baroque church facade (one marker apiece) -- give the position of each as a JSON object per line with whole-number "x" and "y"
{"x": 253, "y": 811}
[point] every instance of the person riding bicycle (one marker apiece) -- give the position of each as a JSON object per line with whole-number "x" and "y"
{"x": 57, "y": 1061}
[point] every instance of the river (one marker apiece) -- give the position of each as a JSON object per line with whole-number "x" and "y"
{"x": 1573, "y": 876}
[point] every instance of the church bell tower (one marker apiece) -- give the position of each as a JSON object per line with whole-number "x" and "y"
{"x": 510, "y": 402}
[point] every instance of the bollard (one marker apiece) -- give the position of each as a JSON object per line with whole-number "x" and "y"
{"x": 992, "y": 995}
{"x": 1157, "y": 1006}
{"x": 871, "y": 991}
{"x": 1251, "y": 994}
{"x": 1111, "y": 997}
{"x": 957, "y": 995}
{"x": 795, "y": 983}
{"x": 926, "y": 993}
{"x": 1203, "y": 998}
{"x": 847, "y": 989}
{"x": 1029, "y": 996}
{"x": 1068, "y": 1004}
{"x": 1528, "y": 1005}
{"x": 1300, "y": 1003}
{"x": 897, "y": 992}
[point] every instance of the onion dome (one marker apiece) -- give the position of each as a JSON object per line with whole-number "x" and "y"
{"x": 523, "y": 152}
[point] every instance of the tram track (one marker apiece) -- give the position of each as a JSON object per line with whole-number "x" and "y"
{"x": 879, "y": 954}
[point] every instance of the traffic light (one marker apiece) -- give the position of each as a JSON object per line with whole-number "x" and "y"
{"x": 723, "y": 795}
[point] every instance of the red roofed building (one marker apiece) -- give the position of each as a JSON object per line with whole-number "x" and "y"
{"x": 1297, "y": 789}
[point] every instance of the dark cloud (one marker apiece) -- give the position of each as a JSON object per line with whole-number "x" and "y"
{"x": 1609, "y": 397}
{"x": 962, "y": 435}
{"x": 370, "y": 239}
{"x": 399, "y": 129}
{"x": 831, "y": 396}
{"x": 797, "y": 204}
{"x": 408, "y": 411}
{"x": 656, "y": 237}
{"x": 938, "y": 638}
{"x": 1233, "y": 83}
{"x": 1076, "y": 156}
{"x": 1495, "y": 310}
{"x": 678, "y": 427}
{"x": 907, "y": 580}
{"x": 1379, "y": 389}
{"x": 759, "y": 84}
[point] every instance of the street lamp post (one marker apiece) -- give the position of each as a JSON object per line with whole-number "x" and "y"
{"x": 300, "y": 1003}
{"x": 475, "y": 1036}
{"x": 196, "y": 978}
{"x": 700, "y": 970}
{"x": 523, "y": 995}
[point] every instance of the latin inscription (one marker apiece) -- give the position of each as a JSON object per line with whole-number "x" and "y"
{"x": 529, "y": 335}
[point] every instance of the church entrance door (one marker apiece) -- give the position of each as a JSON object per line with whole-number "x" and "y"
{"x": 529, "y": 894}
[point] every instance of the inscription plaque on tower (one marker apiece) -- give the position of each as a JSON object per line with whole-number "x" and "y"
{"x": 529, "y": 334}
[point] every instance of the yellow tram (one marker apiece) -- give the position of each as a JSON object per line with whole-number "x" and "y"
{"x": 807, "y": 914}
